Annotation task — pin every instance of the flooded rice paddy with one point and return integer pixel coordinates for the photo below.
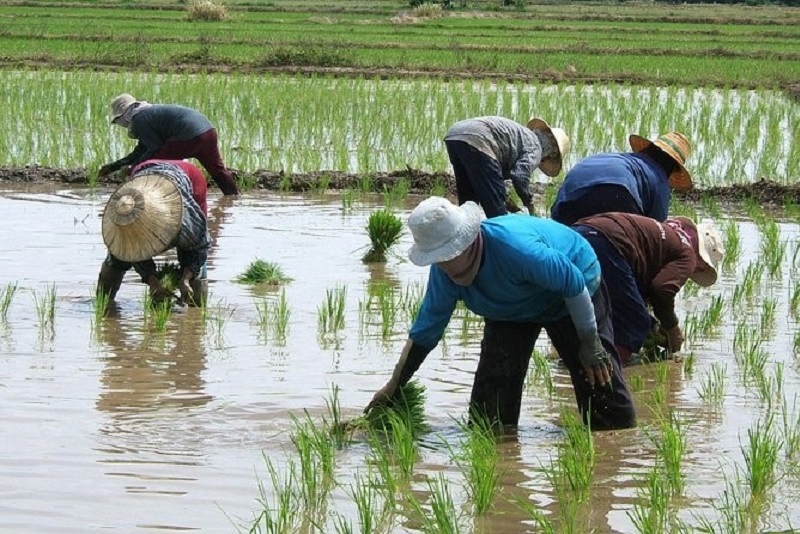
(110, 425)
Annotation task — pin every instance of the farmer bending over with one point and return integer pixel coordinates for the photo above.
(163, 206)
(522, 274)
(486, 151)
(646, 261)
(168, 131)
(633, 182)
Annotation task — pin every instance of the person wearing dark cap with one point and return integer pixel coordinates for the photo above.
(487, 151)
(171, 132)
(522, 275)
(645, 261)
(632, 182)
(163, 206)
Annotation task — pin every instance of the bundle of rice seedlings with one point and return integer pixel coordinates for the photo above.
(207, 10)
(169, 274)
(407, 407)
(384, 229)
(263, 272)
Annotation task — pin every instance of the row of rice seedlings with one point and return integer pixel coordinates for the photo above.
(772, 249)
(46, 306)
(330, 314)
(396, 194)
(749, 352)
(281, 509)
(218, 316)
(790, 436)
(101, 302)
(750, 283)
(760, 454)
(313, 111)
(384, 229)
(348, 198)
(273, 315)
(316, 457)
(443, 516)
(732, 240)
(365, 492)
(670, 443)
(6, 298)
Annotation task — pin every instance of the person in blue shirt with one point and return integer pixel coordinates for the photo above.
(637, 182)
(522, 275)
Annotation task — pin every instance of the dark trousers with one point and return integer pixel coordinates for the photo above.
(630, 316)
(205, 149)
(506, 351)
(479, 178)
(597, 199)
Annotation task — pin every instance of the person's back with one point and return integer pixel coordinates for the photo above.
(159, 123)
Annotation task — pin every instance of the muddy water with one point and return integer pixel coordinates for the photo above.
(113, 426)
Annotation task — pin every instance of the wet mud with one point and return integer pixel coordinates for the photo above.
(765, 191)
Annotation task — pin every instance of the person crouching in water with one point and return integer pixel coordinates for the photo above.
(161, 207)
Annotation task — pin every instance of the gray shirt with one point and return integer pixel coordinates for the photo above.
(517, 148)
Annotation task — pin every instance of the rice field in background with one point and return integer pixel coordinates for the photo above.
(304, 124)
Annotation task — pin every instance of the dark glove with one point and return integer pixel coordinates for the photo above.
(411, 358)
(595, 360)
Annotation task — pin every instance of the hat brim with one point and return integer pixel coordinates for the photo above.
(708, 276)
(460, 241)
(679, 180)
(551, 166)
(142, 218)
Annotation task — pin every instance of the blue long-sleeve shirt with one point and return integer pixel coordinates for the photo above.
(530, 265)
(646, 180)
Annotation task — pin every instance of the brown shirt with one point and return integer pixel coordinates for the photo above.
(659, 255)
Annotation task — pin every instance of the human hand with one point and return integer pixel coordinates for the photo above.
(596, 361)
(383, 396)
(160, 294)
(512, 207)
(675, 338)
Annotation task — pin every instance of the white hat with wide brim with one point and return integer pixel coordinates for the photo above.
(442, 230)
(142, 218)
(551, 164)
(709, 247)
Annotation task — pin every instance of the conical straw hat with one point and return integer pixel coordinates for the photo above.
(677, 147)
(142, 218)
(551, 165)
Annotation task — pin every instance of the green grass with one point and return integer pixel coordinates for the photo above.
(263, 272)
(384, 229)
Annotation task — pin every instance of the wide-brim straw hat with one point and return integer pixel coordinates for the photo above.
(551, 165)
(120, 105)
(709, 247)
(142, 218)
(677, 147)
(442, 230)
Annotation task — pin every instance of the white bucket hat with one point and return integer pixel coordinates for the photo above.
(142, 218)
(442, 230)
(709, 247)
(551, 165)
(120, 105)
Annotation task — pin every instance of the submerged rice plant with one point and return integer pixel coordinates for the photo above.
(761, 458)
(283, 512)
(330, 314)
(384, 229)
(478, 459)
(712, 388)
(6, 297)
(442, 517)
(46, 306)
(263, 272)
(649, 514)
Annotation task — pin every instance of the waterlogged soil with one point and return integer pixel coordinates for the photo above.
(420, 182)
(112, 424)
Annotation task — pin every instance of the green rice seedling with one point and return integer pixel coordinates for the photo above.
(772, 250)
(791, 429)
(688, 363)
(320, 187)
(219, 317)
(263, 272)
(761, 458)
(768, 315)
(336, 426)
(6, 297)
(342, 525)
(364, 492)
(797, 342)
(636, 382)
(670, 443)
(733, 245)
(100, 303)
(662, 373)
(330, 314)
(315, 451)
(281, 314)
(161, 312)
(711, 206)
(540, 373)
(438, 189)
(658, 399)
(690, 289)
(732, 510)
(443, 516)
(348, 199)
(408, 404)
(550, 192)
(544, 524)
(381, 459)
(263, 318)
(46, 306)
(403, 443)
(384, 229)
(365, 184)
(794, 299)
(282, 513)
(649, 514)
(285, 185)
(478, 459)
(388, 310)
(396, 194)
(712, 316)
(712, 388)
(576, 455)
